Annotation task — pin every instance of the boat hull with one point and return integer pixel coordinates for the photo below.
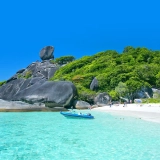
(76, 115)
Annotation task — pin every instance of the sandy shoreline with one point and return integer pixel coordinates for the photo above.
(148, 112)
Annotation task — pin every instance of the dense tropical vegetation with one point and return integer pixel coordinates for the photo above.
(63, 60)
(117, 74)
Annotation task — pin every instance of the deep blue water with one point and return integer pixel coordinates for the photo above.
(49, 135)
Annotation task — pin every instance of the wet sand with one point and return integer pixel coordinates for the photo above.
(148, 112)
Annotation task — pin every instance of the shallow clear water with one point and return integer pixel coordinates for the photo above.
(49, 135)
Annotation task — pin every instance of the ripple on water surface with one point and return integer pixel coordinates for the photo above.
(49, 135)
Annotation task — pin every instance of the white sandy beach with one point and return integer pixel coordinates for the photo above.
(149, 112)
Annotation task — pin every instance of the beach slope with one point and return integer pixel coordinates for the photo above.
(148, 112)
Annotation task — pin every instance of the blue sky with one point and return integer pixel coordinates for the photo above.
(73, 27)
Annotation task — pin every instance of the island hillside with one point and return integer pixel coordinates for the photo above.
(134, 73)
(91, 80)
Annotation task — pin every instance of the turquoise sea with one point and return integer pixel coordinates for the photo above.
(50, 136)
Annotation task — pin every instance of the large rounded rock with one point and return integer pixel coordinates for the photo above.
(33, 90)
(156, 93)
(47, 53)
(145, 92)
(82, 105)
(94, 84)
(102, 99)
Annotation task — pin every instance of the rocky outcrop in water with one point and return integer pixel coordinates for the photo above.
(37, 88)
(32, 86)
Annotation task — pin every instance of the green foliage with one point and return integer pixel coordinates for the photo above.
(129, 49)
(1, 83)
(28, 74)
(52, 61)
(133, 85)
(114, 95)
(151, 100)
(135, 68)
(20, 76)
(85, 94)
(64, 60)
(147, 72)
(121, 89)
(158, 79)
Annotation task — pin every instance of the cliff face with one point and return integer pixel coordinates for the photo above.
(31, 84)
(44, 69)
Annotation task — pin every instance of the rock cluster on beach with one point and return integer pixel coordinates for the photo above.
(31, 84)
(82, 105)
(102, 99)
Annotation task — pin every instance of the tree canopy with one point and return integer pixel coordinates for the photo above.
(134, 67)
(64, 60)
